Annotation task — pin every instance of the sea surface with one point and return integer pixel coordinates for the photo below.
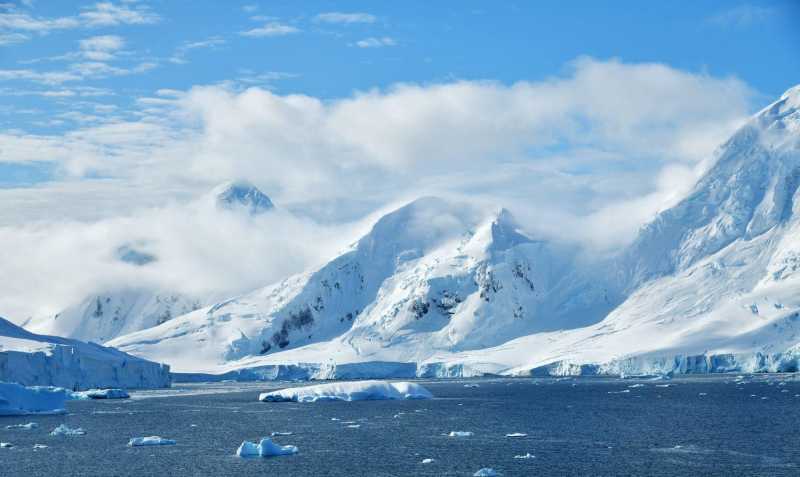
(720, 425)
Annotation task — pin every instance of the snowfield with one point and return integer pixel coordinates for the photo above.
(18, 400)
(348, 391)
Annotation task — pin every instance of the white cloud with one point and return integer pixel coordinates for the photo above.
(179, 57)
(586, 157)
(101, 48)
(271, 29)
(12, 38)
(340, 17)
(110, 14)
(16, 26)
(376, 42)
(28, 23)
(743, 15)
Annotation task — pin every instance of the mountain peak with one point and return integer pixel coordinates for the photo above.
(242, 194)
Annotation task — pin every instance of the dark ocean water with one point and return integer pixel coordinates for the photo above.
(699, 426)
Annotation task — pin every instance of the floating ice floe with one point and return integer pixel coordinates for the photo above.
(112, 393)
(459, 434)
(485, 472)
(24, 427)
(150, 441)
(517, 434)
(428, 461)
(64, 430)
(6, 445)
(354, 426)
(39, 446)
(349, 391)
(18, 400)
(526, 455)
(265, 448)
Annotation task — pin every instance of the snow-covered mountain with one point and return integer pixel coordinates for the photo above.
(32, 359)
(241, 195)
(709, 284)
(104, 316)
(429, 276)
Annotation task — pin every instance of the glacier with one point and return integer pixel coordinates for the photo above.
(32, 359)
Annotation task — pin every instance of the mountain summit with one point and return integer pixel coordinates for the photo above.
(242, 195)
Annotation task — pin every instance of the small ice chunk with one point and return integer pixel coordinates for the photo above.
(150, 441)
(39, 446)
(624, 391)
(273, 434)
(472, 385)
(348, 391)
(485, 472)
(634, 386)
(6, 445)
(526, 455)
(25, 427)
(428, 461)
(112, 393)
(64, 430)
(354, 426)
(265, 448)
(459, 434)
(517, 434)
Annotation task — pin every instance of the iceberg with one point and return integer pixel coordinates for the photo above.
(18, 400)
(64, 430)
(348, 391)
(485, 472)
(25, 427)
(265, 448)
(6, 445)
(112, 393)
(150, 441)
(428, 461)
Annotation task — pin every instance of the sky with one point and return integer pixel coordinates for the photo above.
(584, 119)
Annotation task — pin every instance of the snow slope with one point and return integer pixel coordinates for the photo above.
(32, 359)
(105, 316)
(429, 276)
(709, 285)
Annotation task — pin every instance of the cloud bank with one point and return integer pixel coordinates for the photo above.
(585, 157)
